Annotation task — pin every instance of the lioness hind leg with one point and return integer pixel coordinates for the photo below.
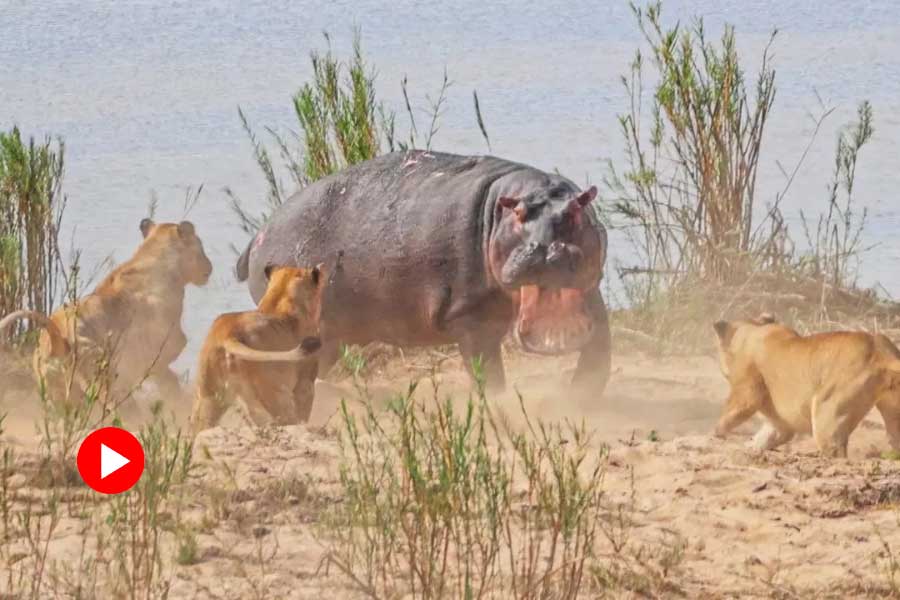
(745, 399)
(305, 389)
(269, 398)
(774, 432)
(890, 412)
(208, 409)
(836, 414)
(769, 437)
(213, 396)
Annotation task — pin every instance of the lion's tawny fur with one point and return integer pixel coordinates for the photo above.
(260, 356)
(823, 384)
(129, 327)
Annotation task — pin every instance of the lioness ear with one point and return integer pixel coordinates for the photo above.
(318, 274)
(587, 196)
(268, 271)
(186, 228)
(146, 226)
(765, 318)
(724, 330)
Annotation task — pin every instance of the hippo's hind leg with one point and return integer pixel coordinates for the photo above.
(592, 371)
(486, 350)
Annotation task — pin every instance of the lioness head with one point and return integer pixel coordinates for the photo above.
(296, 291)
(188, 249)
(733, 339)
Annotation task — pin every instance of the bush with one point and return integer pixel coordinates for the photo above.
(341, 123)
(687, 201)
(31, 207)
(687, 196)
(447, 503)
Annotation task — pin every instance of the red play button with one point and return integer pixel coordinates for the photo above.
(110, 460)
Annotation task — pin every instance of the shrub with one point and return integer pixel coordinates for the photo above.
(446, 502)
(31, 207)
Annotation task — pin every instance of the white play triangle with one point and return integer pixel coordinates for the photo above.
(110, 461)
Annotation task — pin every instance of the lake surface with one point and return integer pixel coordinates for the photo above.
(146, 95)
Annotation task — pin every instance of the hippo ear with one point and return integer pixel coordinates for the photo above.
(587, 196)
(146, 226)
(268, 271)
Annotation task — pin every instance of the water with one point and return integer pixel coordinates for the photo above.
(146, 94)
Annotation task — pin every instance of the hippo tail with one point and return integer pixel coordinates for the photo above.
(242, 269)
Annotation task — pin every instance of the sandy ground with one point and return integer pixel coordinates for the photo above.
(781, 524)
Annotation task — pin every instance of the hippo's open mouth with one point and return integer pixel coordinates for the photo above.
(552, 320)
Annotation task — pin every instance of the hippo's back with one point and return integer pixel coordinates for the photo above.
(409, 224)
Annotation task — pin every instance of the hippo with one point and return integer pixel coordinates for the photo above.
(439, 248)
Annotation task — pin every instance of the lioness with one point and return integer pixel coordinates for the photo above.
(258, 355)
(823, 384)
(129, 327)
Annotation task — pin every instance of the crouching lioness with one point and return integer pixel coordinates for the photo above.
(259, 355)
(129, 327)
(823, 384)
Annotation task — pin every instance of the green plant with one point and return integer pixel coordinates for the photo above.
(445, 502)
(687, 197)
(888, 561)
(837, 239)
(137, 519)
(31, 207)
(187, 547)
(341, 123)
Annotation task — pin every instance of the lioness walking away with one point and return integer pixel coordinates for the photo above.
(258, 355)
(823, 384)
(129, 327)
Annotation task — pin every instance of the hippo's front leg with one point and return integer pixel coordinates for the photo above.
(592, 372)
(477, 346)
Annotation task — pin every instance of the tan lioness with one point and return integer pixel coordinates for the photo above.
(823, 384)
(129, 327)
(258, 355)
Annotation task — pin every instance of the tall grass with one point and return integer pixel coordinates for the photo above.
(836, 240)
(687, 195)
(687, 201)
(340, 122)
(31, 207)
(125, 539)
(447, 502)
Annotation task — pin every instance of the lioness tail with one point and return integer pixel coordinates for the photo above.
(308, 347)
(36, 317)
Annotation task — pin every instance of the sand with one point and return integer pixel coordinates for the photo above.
(712, 518)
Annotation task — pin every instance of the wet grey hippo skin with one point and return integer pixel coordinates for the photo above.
(439, 248)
